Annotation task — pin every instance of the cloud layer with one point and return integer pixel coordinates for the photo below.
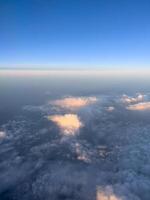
(107, 160)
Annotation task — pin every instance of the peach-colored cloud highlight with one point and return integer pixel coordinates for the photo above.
(74, 102)
(139, 106)
(68, 123)
(107, 194)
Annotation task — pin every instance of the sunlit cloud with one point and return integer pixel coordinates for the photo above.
(2, 134)
(74, 102)
(106, 194)
(127, 99)
(139, 106)
(68, 123)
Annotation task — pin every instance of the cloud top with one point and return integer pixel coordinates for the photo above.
(68, 123)
(74, 102)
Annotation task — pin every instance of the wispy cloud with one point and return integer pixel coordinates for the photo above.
(68, 123)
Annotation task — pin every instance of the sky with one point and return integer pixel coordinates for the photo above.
(74, 34)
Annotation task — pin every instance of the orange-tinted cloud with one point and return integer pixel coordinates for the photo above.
(139, 106)
(106, 194)
(68, 123)
(74, 102)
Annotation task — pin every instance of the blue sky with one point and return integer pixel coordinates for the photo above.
(75, 33)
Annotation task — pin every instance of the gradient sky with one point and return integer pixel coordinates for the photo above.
(75, 33)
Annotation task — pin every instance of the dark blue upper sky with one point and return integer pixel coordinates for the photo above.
(98, 33)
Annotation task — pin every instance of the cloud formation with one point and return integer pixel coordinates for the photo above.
(82, 153)
(139, 106)
(74, 102)
(106, 194)
(68, 123)
(110, 108)
(109, 160)
(2, 134)
(127, 99)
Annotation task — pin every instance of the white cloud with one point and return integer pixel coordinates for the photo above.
(2, 134)
(74, 102)
(68, 123)
(127, 99)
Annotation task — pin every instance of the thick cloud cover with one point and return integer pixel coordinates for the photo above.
(2, 134)
(107, 160)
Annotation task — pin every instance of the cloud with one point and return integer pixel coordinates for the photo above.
(2, 134)
(82, 153)
(127, 99)
(139, 106)
(109, 160)
(68, 123)
(110, 108)
(106, 194)
(74, 102)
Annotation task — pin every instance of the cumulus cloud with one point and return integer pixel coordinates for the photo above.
(127, 99)
(139, 106)
(68, 123)
(74, 102)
